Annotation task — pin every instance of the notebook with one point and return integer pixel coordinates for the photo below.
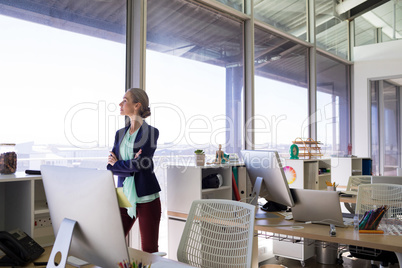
(316, 206)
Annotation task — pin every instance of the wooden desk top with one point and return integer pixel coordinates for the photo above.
(155, 260)
(320, 232)
(347, 199)
(346, 236)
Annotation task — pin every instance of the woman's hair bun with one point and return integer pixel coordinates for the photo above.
(146, 112)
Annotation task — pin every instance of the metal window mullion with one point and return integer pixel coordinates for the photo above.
(312, 70)
(351, 39)
(350, 79)
(135, 68)
(394, 24)
(128, 42)
(378, 35)
(136, 43)
(398, 90)
(381, 123)
(249, 97)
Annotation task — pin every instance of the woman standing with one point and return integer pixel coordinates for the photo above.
(131, 160)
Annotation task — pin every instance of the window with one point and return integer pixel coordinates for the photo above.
(236, 4)
(331, 29)
(375, 127)
(194, 77)
(333, 106)
(63, 74)
(290, 16)
(385, 127)
(365, 32)
(281, 91)
(380, 24)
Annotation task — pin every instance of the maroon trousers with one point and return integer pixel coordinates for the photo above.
(149, 216)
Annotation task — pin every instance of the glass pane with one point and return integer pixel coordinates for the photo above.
(375, 128)
(386, 18)
(391, 129)
(331, 30)
(194, 77)
(365, 32)
(333, 116)
(63, 74)
(236, 4)
(281, 91)
(286, 15)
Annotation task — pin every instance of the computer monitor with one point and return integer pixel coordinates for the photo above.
(87, 197)
(386, 179)
(267, 164)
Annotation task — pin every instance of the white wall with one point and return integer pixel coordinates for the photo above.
(377, 61)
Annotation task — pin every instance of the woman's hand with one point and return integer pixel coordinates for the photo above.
(138, 154)
(112, 159)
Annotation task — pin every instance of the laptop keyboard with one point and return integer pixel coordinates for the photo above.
(348, 215)
(348, 219)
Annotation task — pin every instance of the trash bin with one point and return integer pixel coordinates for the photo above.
(326, 253)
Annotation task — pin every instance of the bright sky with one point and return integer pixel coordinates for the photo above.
(61, 87)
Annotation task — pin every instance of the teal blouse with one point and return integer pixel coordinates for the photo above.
(127, 152)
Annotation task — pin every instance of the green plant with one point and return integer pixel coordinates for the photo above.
(199, 151)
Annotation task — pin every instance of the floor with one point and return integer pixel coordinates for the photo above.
(348, 262)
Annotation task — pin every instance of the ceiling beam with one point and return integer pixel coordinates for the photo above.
(355, 8)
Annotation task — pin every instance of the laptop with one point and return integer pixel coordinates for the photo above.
(317, 206)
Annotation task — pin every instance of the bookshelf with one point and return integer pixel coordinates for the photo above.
(184, 185)
(25, 207)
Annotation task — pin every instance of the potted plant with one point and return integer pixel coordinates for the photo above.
(199, 157)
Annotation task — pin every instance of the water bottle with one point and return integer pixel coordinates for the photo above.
(356, 223)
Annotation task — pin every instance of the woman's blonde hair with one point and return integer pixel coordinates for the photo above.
(139, 95)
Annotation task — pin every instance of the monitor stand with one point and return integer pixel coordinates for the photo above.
(271, 206)
(62, 246)
(62, 243)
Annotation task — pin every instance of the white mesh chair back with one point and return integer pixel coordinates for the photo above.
(353, 184)
(373, 196)
(218, 233)
(355, 181)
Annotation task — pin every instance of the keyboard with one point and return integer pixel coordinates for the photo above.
(348, 219)
(348, 215)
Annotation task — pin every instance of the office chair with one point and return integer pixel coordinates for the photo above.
(372, 196)
(218, 233)
(353, 184)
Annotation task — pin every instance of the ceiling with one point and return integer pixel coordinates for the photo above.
(103, 19)
(180, 28)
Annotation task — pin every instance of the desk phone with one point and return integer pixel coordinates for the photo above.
(20, 248)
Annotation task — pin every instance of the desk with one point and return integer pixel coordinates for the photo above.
(346, 236)
(319, 232)
(145, 257)
(351, 200)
